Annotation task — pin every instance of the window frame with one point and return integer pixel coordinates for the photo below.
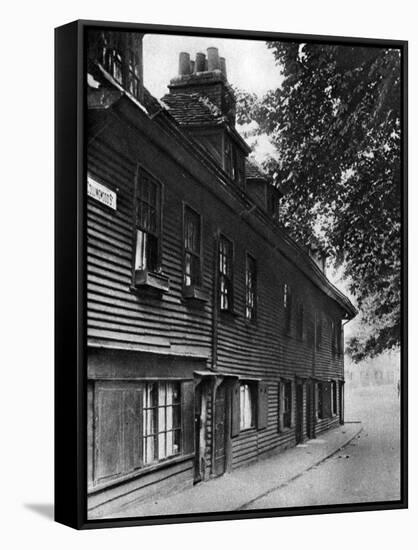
(99, 482)
(118, 58)
(249, 258)
(147, 277)
(188, 209)
(318, 331)
(253, 392)
(157, 431)
(283, 399)
(300, 320)
(287, 300)
(334, 398)
(230, 278)
(319, 401)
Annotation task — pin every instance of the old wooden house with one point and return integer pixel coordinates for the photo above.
(213, 338)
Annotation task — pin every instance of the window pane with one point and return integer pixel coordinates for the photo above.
(176, 442)
(176, 416)
(161, 421)
(187, 269)
(149, 450)
(161, 446)
(140, 253)
(246, 407)
(161, 394)
(250, 278)
(169, 418)
(170, 392)
(242, 407)
(169, 443)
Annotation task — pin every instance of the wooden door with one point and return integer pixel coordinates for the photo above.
(299, 413)
(197, 427)
(219, 435)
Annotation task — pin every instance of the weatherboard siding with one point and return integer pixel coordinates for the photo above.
(120, 318)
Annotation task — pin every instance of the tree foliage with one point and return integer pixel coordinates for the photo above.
(336, 124)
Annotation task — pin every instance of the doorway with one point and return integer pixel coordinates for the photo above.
(198, 474)
(220, 432)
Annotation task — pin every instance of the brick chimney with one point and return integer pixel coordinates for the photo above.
(206, 76)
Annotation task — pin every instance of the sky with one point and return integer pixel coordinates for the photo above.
(249, 64)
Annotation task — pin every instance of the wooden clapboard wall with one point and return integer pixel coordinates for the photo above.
(120, 318)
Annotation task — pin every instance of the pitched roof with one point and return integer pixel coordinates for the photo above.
(254, 171)
(192, 109)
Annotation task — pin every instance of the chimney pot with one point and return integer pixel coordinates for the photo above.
(200, 62)
(184, 63)
(213, 59)
(223, 67)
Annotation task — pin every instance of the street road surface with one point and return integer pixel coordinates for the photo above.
(367, 470)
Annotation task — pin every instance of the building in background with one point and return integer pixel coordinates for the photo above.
(213, 338)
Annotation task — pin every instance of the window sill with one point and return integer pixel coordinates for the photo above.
(228, 313)
(150, 279)
(195, 294)
(138, 472)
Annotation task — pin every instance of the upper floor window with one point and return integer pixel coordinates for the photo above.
(133, 78)
(339, 336)
(299, 320)
(120, 54)
(148, 224)
(225, 273)
(287, 305)
(250, 288)
(274, 203)
(112, 62)
(333, 337)
(318, 331)
(192, 248)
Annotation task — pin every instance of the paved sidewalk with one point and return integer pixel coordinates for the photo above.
(238, 489)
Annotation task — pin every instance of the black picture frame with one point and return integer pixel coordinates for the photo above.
(70, 278)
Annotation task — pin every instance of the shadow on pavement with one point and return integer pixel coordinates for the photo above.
(45, 510)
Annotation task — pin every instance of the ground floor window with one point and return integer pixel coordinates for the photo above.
(333, 397)
(137, 423)
(326, 399)
(161, 421)
(247, 402)
(287, 405)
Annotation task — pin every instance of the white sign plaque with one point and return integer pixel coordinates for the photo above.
(101, 193)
